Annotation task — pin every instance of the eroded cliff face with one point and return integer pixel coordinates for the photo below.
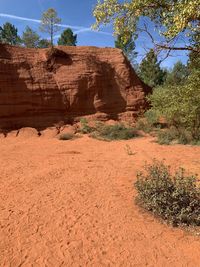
(41, 87)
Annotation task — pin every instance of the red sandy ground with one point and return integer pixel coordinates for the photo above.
(71, 203)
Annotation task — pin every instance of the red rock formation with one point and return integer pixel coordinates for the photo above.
(40, 87)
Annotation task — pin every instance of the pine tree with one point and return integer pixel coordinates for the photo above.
(68, 38)
(49, 23)
(177, 75)
(44, 43)
(30, 38)
(150, 71)
(9, 34)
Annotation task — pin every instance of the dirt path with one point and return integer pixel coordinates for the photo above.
(71, 203)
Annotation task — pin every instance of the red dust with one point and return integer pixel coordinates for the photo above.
(71, 203)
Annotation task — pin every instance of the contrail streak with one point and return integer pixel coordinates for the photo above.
(78, 29)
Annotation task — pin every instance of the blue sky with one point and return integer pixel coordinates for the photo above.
(78, 15)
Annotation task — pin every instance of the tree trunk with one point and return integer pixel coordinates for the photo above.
(52, 34)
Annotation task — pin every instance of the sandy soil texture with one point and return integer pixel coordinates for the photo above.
(71, 203)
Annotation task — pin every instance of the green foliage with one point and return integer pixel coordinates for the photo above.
(66, 136)
(194, 57)
(127, 47)
(85, 128)
(9, 34)
(30, 38)
(152, 117)
(143, 125)
(114, 132)
(43, 43)
(166, 137)
(176, 135)
(180, 105)
(68, 38)
(175, 198)
(107, 132)
(150, 71)
(49, 23)
(177, 75)
(194, 61)
(171, 18)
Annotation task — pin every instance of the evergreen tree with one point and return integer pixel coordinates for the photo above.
(8, 34)
(67, 38)
(150, 71)
(178, 75)
(30, 38)
(49, 23)
(127, 46)
(44, 43)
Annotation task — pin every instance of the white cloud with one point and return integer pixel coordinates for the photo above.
(90, 30)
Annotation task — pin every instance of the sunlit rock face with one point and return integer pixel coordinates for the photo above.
(41, 87)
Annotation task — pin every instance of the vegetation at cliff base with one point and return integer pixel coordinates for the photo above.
(114, 132)
(101, 131)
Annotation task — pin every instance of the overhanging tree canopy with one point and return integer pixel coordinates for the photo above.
(171, 17)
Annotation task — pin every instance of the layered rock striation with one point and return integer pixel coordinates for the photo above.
(41, 87)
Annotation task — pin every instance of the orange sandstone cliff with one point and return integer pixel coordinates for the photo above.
(41, 87)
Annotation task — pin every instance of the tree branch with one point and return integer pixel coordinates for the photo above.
(189, 48)
(167, 46)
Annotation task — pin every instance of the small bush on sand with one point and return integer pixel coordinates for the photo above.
(149, 123)
(175, 198)
(181, 136)
(114, 132)
(85, 128)
(143, 125)
(66, 136)
(165, 137)
(184, 137)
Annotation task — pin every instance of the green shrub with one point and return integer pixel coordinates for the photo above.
(175, 198)
(152, 117)
(195, 143)
(165, 137)
(66, 136)
(180, 105)
(143, 125)
(85, 128)
(182, 136)
(114, 132)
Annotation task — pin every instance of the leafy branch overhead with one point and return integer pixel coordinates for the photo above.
(170, 17)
